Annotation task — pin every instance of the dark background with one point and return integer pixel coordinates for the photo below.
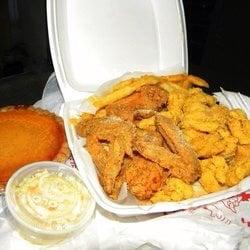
(218, 42)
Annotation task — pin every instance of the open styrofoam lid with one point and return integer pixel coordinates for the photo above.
(94, 41)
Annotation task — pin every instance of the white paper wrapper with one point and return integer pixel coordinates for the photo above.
(127, 205)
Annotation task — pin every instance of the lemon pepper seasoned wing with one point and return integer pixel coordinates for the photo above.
(179, 157)
(108, 139)
(148, 98)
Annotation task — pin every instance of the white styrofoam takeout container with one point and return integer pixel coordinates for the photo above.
(93, 42)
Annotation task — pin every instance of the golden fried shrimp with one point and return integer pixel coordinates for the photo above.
(143, 177)
(243, 151)
(147, 124)
(239, 126)
(196, 95)
(149, 97)
(174, 190)
(209, 182)
(220, 113)
(176, 100)
(205, 145)
(238, 171)
(218, 166)
(229, 141)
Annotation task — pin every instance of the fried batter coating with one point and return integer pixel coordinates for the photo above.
(148, 136)
(200, 112)
(181, 160)
(147, 124)
(209, 182)
(200, 120)
(196, 95)
(204, 126)
(230, 143)
(174, 190)
(108, 139)
(143, 177)
(243, 151)
(176, 100)
(149, 97)
(239, 126)
(239, 171)
(206, 145)
(218, 166)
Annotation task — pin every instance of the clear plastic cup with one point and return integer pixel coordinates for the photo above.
(27, 217)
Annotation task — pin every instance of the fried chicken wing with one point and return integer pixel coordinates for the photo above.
(179, 158)
(108, 139)
(178, 145)
(143, 177)
(148, 136)
(149, 97)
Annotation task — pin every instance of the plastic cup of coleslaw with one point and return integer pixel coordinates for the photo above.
(48, 202)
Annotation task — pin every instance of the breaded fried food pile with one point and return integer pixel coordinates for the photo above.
(166, 139)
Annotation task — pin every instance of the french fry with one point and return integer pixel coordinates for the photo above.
(137, 82)
(197, 81)
(169, 86)
(186, 84)
(102, 101)
(175, 78)
(122, 90)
